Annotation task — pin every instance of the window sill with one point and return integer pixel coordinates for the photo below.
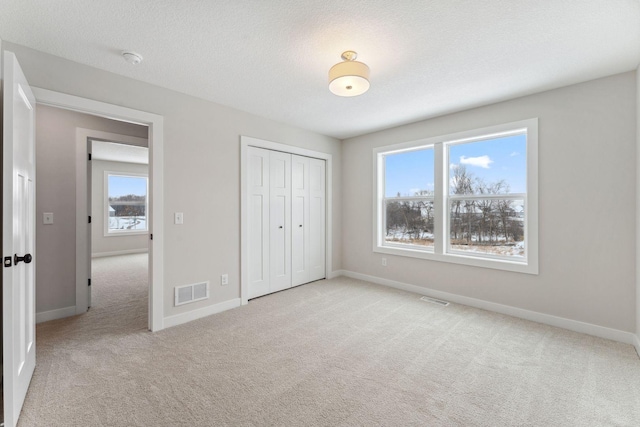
(125, 233)
(457, 258)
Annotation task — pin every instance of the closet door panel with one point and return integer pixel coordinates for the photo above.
(300, 220)
(317, 219)
(280, 220)
(258, 206)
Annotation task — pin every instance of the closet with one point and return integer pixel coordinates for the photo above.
(286, 215)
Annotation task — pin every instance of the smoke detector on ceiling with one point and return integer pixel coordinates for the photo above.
(132, 57)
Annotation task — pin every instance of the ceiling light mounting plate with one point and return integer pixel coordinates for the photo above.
(132, 57)
(349, 55)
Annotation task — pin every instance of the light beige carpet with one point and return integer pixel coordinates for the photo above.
(340, 352)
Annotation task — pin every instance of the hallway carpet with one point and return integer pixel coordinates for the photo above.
(339, 352)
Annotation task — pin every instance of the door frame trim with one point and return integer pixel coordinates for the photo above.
(155, 123)
(245, 143)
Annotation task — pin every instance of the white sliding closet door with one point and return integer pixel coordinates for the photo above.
(258, 212)
(317, 220)
(280, 220)
(300, 220)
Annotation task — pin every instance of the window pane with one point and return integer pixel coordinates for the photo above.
(409, 222)
(494, 166)
(409, 174)
(127, 203)
(494, 227)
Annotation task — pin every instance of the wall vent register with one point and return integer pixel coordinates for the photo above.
(191, 293)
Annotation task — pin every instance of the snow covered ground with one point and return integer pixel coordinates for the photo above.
(128, 223)
(502, 248)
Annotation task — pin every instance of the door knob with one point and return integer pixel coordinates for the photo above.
(280, 227)
(300, 225)
(27, 259)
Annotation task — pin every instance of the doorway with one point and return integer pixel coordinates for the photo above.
(118, 199)
(156, 138)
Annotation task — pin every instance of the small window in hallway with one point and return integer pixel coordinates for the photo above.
(126, 203)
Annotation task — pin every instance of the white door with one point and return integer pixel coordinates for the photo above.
(18, 242)
(317, 221)
(258, 211)
(280, 220)
(299, 220)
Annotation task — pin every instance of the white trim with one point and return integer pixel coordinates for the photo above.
(189, 316)
(245, 142)
(534, 316)
(636, 343)
(116, 253)
(440, 250)
(156, 173)
(45, 316)
(335, 274)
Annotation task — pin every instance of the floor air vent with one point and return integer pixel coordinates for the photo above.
(191, 293)
(435, 301)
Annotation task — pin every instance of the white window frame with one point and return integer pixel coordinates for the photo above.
(112, 233)
(441, 250)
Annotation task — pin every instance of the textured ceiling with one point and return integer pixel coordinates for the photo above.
(271, 57)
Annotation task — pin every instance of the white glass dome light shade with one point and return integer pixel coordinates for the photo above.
(349, 78)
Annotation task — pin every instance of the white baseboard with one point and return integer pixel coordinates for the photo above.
(636, 343)
(548, 319)
(179, 319)
(59, 313)
(124, 252)
(336, 273)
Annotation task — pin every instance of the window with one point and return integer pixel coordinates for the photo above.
(126, 203)
(468, 198)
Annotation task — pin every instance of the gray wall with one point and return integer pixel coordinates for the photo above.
(201, 170)
(587, 150)
(101, 244)
(56, 192)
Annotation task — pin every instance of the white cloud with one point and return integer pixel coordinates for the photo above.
(481, 161)
(453, 166)
(515, 153)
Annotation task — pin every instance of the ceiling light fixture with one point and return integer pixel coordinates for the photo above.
(132, 57)
(349, 78)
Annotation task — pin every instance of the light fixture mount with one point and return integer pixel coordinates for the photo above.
(349, 55)
(132, 57)
(350, 77)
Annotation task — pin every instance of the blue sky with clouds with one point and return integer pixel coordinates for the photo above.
(491, 160)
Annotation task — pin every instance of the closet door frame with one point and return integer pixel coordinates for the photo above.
(245, 143)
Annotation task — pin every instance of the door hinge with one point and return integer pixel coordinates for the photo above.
(89, 282)
(89, 156)
(151, 236)
(89, 219)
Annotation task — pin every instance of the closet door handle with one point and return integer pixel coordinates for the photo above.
(280, 227)
(300, 225)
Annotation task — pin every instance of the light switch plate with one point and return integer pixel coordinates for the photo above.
(178, 218)
(47, 218)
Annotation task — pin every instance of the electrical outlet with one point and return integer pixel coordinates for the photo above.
(384, 262)
(178, 218)
(47, 218)
(224, 279)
